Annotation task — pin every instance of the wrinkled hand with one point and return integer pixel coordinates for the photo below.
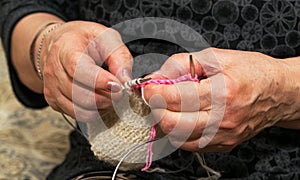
(72, 56)
(242, 94)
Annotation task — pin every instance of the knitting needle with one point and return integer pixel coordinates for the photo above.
(192, 66)
(134, 82)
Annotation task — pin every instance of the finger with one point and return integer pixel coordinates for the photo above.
(215, 148)
(119, 60)
(194, 146)
(75, 111)
(185, 96)
(115, 53)
(223, 141)
(183, 126)
(177, 65)
(91, 100)
(84, 70)
(209, 62)
(92, 50)
(206, 63)
(84, 96)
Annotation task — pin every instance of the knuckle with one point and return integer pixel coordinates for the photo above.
(229, 125)
(47, 72)
(166, 126)
(113, 32)
(205, 51)
(231, 92)
(174, 99)
(212, 50)
(55, 47)
(60, 102)
(174, 56)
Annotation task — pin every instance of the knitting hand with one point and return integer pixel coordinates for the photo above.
(242, 94)
(72, 56)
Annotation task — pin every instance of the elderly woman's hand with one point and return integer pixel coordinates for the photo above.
(241, 94)
(71, 60)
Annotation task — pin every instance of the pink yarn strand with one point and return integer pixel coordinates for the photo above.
(149, 150)
(187, 77)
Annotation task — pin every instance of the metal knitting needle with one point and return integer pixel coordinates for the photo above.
(134, 82)
(192, 66)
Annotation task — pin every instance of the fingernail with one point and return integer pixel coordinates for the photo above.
(126, 75)
(114, 87)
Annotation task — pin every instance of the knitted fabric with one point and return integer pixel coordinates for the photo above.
(127, 126)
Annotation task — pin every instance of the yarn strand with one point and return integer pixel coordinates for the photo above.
(186, 77)
(149, 150)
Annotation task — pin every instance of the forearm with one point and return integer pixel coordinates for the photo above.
(290, 116)
(22, 38)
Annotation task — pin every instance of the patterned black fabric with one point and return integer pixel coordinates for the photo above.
(271, 27)
(268, 26)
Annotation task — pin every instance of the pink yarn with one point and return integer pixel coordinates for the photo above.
(187, 77)
(149, 150)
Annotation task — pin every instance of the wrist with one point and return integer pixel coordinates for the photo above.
(21, 40)
(38, 44)
(288, 92)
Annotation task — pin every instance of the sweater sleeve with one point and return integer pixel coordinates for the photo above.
(11, 11)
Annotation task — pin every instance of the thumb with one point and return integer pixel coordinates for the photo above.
(206, 62)
(177, 65)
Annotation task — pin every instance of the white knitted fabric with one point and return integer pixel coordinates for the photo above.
(128, 125)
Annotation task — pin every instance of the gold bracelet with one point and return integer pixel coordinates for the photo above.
(39, 50)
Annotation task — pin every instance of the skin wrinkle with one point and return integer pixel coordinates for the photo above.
(253, 72)
(256, 100)
(93, 52)
(251, 107)
(276, 101)
(73, 67)
(246, 73)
